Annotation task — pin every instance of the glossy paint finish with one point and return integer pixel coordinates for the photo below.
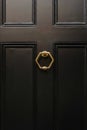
(32, 99)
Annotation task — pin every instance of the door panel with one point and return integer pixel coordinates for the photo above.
(19, 12)
(69, 87)
(70, 12)
(18, 89)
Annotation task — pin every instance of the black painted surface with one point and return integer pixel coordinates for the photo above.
(43, 100)
(69, 89)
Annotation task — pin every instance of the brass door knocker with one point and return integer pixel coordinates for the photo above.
(44, 54)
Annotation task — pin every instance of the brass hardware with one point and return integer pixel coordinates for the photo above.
(44, 54)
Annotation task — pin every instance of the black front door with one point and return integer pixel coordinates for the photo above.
(43, 90)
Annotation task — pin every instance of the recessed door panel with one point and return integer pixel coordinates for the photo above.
(19, 11)
(18, 89)
(69, 89)
(70, 11)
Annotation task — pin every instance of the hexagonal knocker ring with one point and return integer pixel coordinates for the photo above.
(44, 54)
